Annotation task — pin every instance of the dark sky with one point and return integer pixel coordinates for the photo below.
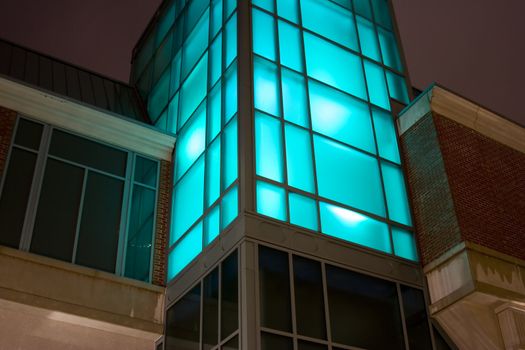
(474, 47)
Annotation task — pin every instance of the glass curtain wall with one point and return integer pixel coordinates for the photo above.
(326, 149)
(186, 70)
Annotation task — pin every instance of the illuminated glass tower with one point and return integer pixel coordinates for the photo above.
(290, 222)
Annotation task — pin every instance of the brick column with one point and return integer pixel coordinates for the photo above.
(7, 126)
(162, 224)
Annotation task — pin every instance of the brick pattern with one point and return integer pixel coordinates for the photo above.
(437, 229)
(487, 181)
(162, 224)
(7, 126)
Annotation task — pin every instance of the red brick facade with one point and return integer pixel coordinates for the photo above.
(464, 187)
(162, 224)
(7, 126)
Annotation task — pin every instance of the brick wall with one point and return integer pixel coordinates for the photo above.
(434, 216)
(162, 224)
(487, 181)
(7, 126)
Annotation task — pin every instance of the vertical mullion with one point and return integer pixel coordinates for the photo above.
(326, 304)
(201, 314)
(79, 215)
(292, 299)
(248, 290)
(257, 300)
(402, 312)
(125, 214)
(219, 306)
(8, 158)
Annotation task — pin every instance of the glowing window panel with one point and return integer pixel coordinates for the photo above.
(191, 142)
(212, 225)
(354, 227)
(295, 104)
(230, 34)
(215, 60)
(389, 49)
(213, 172)
(214, 112)
(386, 135)
(271, 200)
(195, 44)
(266, 87)
(382, 13)
(230, 93)
(268, 147)
(263, 34)
(397, 87)
(185, 251)
(375, 79)
(341, 117)
(268, 5)
(230, 159)
(362, 7)
(188, 200)
(299, 162)
(216, 17)
(396, 196)
(334, 66)
(159, 96)
(175, 73)
(290, 46)
(348, 176)
(329, 20)
(288, 9)
(165, 22)
(193, 90)
(229, 7)
(229, 207)
(368, 39)
(404, 244)
(303, 211)
(173, 114)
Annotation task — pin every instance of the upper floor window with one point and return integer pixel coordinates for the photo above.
(77, 200)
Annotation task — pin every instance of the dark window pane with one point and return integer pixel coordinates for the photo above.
(232, 344)
(359, 306)
(57, 215)
(99, 227)
(309, 302)
(140, 233)
(210, 312)
(274, 284)
(275, 342)
(28, 134)
(416, 318)
(304, 345)
(87, 152)
(229, 295)
(146, 171)
(182, 322)
(15, 194)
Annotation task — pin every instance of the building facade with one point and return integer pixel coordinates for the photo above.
(266, 181)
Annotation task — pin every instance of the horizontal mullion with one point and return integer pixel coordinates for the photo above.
(86, 167)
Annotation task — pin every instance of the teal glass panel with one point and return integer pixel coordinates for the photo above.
(162, 122)
(162, 57)
(299, 162)
(386, 135)
(215, 60)
(193, 90)
(368, 39)
(214, 112)
(396, 195)
(191, 142)
(295, 104)
(288, 9)
(341, 117)
(345, 3)
(397, 87)
(375, 79)
(271, 200)
(216, 17)
(303, 211)
(185, 251)
(195, 44)
(389, 49)
(230, 98)
(362, 7)
(263, 29)
(268, 147)
(158, 98)
(195, 10)
(329, 20)
(354, 227)
(229, 7)
(266, 87)
(382, 13)
(334, 66)
(165, 22)
(290, 46)
(175, 73)
(188, 200)
(265, 4)
(212, 225)
(230, 160)
(213, 172)
(230, 34)
(229, 207)
(173, 114)
(348, 176)
(404, 244)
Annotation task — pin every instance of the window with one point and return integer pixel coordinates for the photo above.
(80, 201)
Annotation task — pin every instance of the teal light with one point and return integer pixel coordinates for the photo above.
(173, 114)
(266, 88)
(271, 200)
(288, 9)
(159, 96)
(354, 227)
(299, 162)
(389, 49)
(191, 142)
(185, 251)
(386, 135)
(230, 97)
(290, 46)
(214, 112)
(229, 207)
(216, 17)
(375, 78)
(230, 34)
(295, 103)
(263, 34)
(212, 225)
(193, 90)
(396, 196)
(368, 39)
(397, 87)
(213, 172)
(215, 59)
(265, 4)
(175, 73)
(303, 211)
(230, 154)
(268, 147)
(404, 244)
(196, 44)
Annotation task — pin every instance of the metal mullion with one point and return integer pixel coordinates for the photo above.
(79, 216)
(201, 312)
(312, 340)
(345, 347)
(291, 280)
(326, 303)
(23, 148)
(222, 80)
(277, 332)
(402, 313)
(8, 158)
(125, 215)
(122, 178)
(148, 187)
(258, 328)
(228, 338)
(219, 306)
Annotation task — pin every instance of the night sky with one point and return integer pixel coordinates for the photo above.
(474, 47)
